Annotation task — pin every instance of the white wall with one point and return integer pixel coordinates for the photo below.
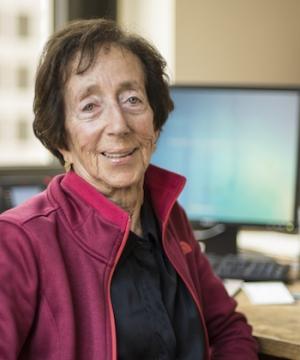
(238, 41)
(153, 19)
(222, 41)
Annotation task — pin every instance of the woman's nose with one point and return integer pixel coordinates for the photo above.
(117, 123)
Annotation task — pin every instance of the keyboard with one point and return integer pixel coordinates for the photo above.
(238, 266)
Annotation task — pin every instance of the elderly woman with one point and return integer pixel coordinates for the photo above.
(103, 264)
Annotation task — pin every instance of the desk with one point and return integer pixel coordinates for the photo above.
(276, 327)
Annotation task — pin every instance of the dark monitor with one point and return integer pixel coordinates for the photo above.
(238, 148)
(18, 184)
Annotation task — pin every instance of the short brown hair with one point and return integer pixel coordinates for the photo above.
(84, 37)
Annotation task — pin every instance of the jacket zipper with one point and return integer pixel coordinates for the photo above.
(111, 312)
(188, 287)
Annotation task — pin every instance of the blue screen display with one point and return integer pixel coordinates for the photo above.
(238, 149)
(21, 193)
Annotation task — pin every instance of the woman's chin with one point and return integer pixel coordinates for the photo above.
(121, 182)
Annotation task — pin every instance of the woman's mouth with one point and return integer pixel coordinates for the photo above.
(118, 154)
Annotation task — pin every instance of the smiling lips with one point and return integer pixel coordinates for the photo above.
(118, 155)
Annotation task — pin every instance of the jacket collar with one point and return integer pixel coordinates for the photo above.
(164, 188)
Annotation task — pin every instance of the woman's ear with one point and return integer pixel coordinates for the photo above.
(68, 160)
(156, 136)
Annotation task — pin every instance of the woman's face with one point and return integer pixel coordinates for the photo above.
(109, 121)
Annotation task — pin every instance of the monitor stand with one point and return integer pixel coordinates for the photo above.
(222, 243)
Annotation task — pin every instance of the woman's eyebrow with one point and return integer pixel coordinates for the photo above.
(130, 85)
(90, 89)
(93, 88)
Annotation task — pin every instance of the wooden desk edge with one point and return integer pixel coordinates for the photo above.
(277, 347)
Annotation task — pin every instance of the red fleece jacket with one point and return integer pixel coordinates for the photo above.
(58, 252)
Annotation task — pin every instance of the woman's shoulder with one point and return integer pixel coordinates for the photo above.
(27, 227)
(40, 205)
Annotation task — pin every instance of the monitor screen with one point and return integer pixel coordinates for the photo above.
(21, 193)
(238, 149)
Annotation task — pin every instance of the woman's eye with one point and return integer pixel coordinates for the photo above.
(134, 100)
(89, 107)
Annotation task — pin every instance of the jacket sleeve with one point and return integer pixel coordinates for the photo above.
(230, 336)
(18, 289)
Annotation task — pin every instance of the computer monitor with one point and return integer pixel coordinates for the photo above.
(18, 184)
(238, 148)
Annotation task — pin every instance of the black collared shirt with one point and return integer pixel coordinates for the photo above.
(156, 318)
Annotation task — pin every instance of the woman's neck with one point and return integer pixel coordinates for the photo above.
(130, 200)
